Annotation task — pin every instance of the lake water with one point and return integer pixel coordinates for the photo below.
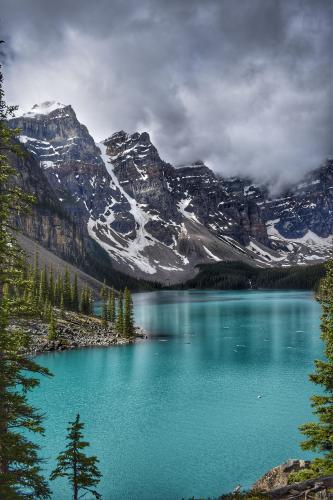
(179, 415)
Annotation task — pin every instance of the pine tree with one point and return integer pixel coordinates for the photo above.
(46, 311)
(84, 303)
(105, 314)
(75, 294)
(320, 434)
(67, 290)
(36, 274)
(81, 470)
(20, 471)
(52, 327)
(103, 291)
(62, 307)
(90, 302)
(43, 286)
(112, 306)
(83, 300)
(30, 299)
(58, 291)
(51, 287)
(120, 315)
(128, 315)
(103, 295)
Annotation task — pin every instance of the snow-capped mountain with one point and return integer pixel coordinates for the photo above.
(157, 221)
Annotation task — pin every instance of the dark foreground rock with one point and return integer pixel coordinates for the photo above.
(274, 484)
(74, 330)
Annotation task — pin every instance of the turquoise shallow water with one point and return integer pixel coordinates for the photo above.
(179, 415)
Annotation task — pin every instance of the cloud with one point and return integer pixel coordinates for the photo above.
(244, 86)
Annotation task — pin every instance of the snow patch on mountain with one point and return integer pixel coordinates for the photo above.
(211, 255)
(133, 250)
(310, 247)
(182, 205)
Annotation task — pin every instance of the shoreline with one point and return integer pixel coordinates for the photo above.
(74, 331)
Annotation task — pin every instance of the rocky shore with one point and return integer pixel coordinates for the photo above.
(73, 331)
(279, 476)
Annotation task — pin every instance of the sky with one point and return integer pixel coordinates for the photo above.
(244, 85)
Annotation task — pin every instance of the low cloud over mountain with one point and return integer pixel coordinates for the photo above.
(243, 86)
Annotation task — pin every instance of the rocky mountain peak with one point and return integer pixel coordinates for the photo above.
(155, 219)
(130, 146)
(53, 134)
(47, 107)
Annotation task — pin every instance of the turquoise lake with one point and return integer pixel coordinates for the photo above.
(179, 415)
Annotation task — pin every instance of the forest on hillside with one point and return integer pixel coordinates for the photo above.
(240, 276)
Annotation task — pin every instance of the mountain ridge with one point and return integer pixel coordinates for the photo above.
(158, 222)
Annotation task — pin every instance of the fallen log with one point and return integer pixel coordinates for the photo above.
(302, 489)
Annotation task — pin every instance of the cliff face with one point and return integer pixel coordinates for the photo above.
(154, 220)
(50, 225)
(47, 222)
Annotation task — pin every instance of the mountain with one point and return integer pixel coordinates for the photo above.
(152, 220)
(57, 220)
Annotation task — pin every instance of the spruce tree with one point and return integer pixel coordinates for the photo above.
(90, 302)
(36, 274)
(46, 311)
(75, 294)
(43, 286)
(128, 314)
(20, 471)
(112, 306)
(62, 307)
(51, 287)
(103, 295)
(52, 327)
(81, 470)
(320, 433)
(105, 314)
(58, 290)
(83, 301)
(20, 466)
(120, 315)
(67, 290)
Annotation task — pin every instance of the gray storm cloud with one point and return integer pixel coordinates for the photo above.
(246, 86)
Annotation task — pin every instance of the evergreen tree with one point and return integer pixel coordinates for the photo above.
(112, 307)
(103, 295)
(52, 328)
(75, 294)
(103, 291)
(120, 315)
(105, 314)
(90, 302)
(84, 300)
(20, 471)
(43, 286)
(128, 314)
(46, 311)
(67, 290)
(81, 470)
(36, 274)
(31, 298)
(58, 291)
(62, 307)
(51, 287)
(320, 433)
